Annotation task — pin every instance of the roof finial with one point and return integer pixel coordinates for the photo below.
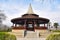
(30, 11)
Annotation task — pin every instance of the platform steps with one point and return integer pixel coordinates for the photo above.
(17, 34)
(31, 34)
(45, 34)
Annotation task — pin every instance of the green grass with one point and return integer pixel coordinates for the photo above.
(55, 30)
(7, 36)
(53, 37)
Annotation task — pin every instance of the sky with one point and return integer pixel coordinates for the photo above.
(49, 9)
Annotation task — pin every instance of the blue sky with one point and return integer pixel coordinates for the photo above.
(44, 8)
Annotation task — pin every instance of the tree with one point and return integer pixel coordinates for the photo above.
(56, 25)
(2, 16)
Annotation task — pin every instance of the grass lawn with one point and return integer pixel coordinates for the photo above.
(7, 36)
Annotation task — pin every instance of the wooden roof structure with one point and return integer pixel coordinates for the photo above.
(30, 16)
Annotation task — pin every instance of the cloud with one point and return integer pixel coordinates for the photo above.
(13, 14)
(12, 11)
(37, 0)
(51, 15)
(48, 9)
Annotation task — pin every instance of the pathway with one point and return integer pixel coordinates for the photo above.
(18, 38)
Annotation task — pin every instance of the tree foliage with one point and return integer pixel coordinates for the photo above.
(2, 16)
(56, 25)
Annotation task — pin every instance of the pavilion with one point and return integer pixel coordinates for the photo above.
(29, 21)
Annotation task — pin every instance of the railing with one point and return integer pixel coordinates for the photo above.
(22, 27)
(40, 27)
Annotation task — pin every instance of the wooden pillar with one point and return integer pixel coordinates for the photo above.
(13, 25)
(25, 24)
(34, 25)
(44, 25)
(39, 25)
(47, 25)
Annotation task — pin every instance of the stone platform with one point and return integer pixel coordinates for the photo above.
(18, 33)
(37, 35)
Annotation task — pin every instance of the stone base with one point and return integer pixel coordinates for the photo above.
(36, 34)
(42, 33)
(18, 33)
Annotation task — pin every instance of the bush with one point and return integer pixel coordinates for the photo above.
(6, 30)
(55, 30)
(6, 36)
(53, 37)
(9, 30)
